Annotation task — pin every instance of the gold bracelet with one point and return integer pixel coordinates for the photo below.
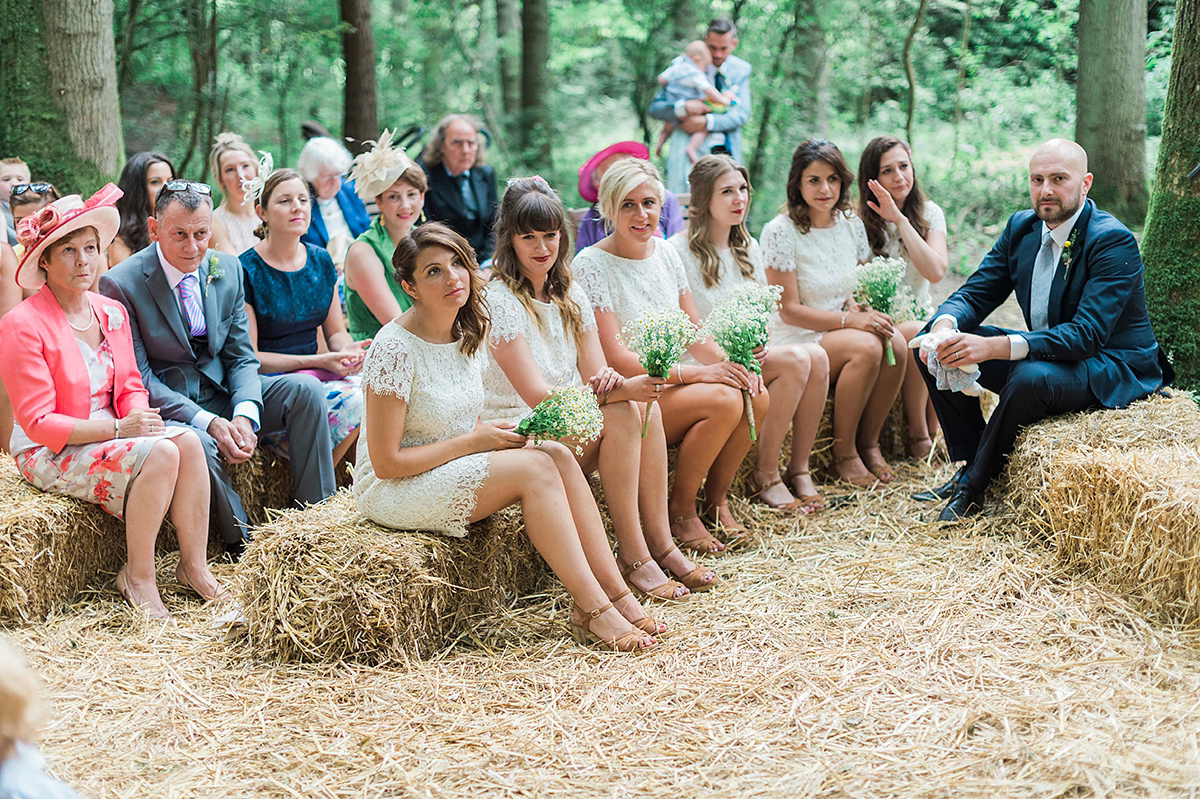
(844, 315)
(682, 382)
(116, 428)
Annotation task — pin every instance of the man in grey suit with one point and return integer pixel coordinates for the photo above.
(728, 72)
(187, 315)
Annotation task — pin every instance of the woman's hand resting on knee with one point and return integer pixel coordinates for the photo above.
(491, 436)
(729, 373)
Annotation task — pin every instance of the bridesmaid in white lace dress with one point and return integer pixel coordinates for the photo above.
(902, 223)
(430, 464)
(719, 254)
(629, 271)
(811, 250)
(541, 336)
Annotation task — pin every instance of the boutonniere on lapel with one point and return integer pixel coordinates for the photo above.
(1069, 251)
(114, 317)
(215, 272)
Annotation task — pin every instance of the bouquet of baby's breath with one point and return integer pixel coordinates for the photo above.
(880, 285)
(568, 412)
(659, 338)
(741, 323)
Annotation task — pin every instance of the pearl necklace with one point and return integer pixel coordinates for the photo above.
(88, 326)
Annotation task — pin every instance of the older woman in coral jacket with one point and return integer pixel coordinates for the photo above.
(84, 427)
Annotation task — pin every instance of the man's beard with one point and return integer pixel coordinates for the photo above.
(1066, 211)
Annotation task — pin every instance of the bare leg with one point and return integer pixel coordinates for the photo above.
(532, 476)
(786, 371)
(854, 359)
(805, 422)
(695, 142)
(916, 400)
(618, 456)
(724, 469)
(189, 513)
(701, 417)
(146, 504)
(345, 447)
(883, 397)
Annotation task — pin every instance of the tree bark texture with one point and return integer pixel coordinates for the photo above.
(508, 30)
(1171, 246)
(1110, 103)
(201, 16)
(81, 61)
(359, 114)
(535, 52)
(908, 69)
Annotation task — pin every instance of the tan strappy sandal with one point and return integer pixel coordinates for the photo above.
(647, 624)
(626, 642)
(666, 592)
(734, 537)
(701, 544)
(694, 580)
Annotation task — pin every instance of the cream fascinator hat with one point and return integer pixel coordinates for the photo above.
(378, 168)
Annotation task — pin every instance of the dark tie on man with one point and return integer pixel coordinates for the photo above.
(1039, 285)
(468, 194)
(719, 84)
(193, 311)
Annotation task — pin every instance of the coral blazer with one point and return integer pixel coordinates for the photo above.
(44, 371)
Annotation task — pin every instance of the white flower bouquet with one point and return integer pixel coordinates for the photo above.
(741, 323)
(568, 412)
(880, 285)
(659, 338)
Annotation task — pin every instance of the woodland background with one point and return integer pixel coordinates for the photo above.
(973, 84)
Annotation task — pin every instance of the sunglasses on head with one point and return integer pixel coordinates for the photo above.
(186, 185)
(37, 188)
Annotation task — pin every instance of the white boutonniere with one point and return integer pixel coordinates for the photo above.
(114, 316)
(1068, 251)
(215, 272)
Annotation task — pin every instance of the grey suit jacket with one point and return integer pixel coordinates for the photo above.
(180, 381)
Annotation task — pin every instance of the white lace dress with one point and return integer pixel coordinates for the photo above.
(895, 249)
(444, 392)
(729, 274)
(626, 287)
(823, 260)
(553, 348)
(240, 229)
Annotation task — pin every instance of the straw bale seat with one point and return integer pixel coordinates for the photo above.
(1116, 494)
(325, 584)
(53, 547)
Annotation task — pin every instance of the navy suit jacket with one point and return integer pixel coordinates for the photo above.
(352, 208)
(1097, 312)
(444, 203)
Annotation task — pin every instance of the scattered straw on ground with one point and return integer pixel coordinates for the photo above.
(865, 653)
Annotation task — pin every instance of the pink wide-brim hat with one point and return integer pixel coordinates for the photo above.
(61, 218)
(588, 189)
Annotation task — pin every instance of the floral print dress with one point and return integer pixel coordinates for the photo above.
(100, 472)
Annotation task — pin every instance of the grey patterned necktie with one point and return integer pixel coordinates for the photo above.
(1039, 289)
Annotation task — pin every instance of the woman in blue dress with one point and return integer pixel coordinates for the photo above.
(293, 309)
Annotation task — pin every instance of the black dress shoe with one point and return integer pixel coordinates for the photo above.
(965, 502)
(235, 549)
(944, 490)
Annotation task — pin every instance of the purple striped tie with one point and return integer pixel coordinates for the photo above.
(189, 293)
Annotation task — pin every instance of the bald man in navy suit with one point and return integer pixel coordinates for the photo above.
(1077, 275)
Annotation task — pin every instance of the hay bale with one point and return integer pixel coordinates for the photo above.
(53, 547)
(1131, 521)
(326, 584)
(1167, 419)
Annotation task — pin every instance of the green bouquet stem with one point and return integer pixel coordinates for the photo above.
(646, 418)
(891, 354)
(749, 413)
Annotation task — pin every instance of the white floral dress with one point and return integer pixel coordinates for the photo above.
(100, 472)
(554, 349)
(627, 287)
(444, 391)
(823, 260)
(894, 248)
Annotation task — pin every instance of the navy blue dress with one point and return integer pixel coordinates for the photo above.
(290, 306)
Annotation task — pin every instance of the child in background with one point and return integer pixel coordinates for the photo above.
(22, 767)
(12, 172)
(687, 80)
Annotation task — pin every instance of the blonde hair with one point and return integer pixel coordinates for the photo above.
(623, 177)
(227, 143)
(697, 48)
(20, 711)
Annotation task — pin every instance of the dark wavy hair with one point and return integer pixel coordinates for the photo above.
(810, 151)
(134, 205)
(703, 178)
(529, 205)
(473, 319)
(914, 203)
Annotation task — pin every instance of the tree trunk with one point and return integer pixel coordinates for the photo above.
(360, 122)
(683, 21)
(1110, 103)
(908, 69)
(508, 29)
(964, 48)
(811, 73)
(1171, 247)
(58, 90)
(535, 51)
(201, 16)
